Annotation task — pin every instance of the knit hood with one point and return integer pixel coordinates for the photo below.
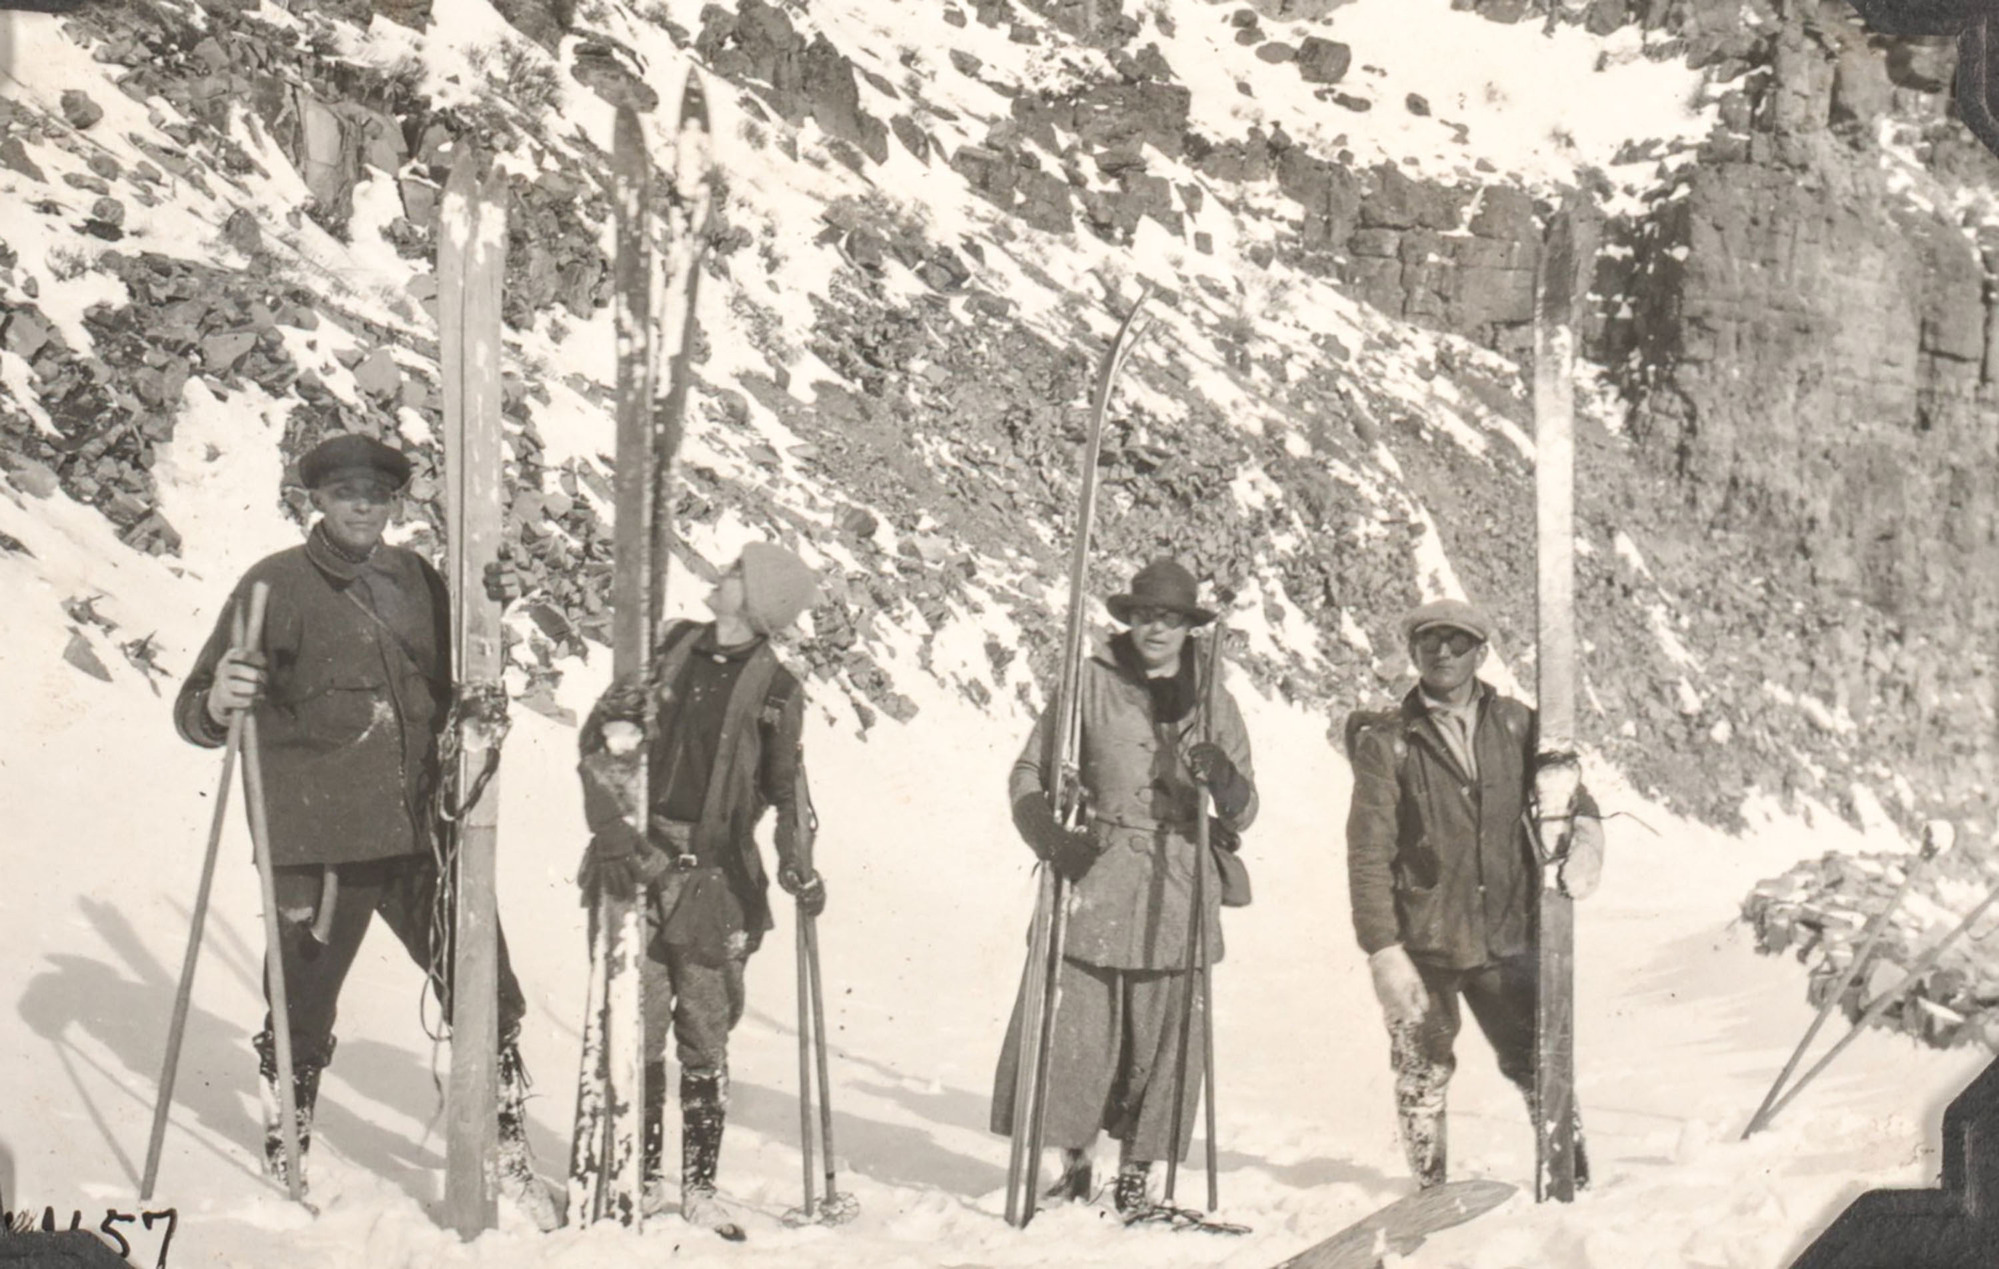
(777, 586)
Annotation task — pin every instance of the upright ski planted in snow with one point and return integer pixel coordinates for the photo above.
(1557, 772)
(471, 264)
(606, 1163)
(1051, 905)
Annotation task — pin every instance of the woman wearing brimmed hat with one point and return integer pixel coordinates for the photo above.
(1125, 972)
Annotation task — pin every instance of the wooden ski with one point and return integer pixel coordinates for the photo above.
(1557, 773)
(471, 268)
(606, 1164)
(1401, 1227)
(1047, 934)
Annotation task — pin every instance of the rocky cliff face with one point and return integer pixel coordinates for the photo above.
(1804, 341)
(1786, 488)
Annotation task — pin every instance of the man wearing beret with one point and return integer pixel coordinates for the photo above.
(726, 722)
(1444, 875)
(1127, 967)
(352, 685)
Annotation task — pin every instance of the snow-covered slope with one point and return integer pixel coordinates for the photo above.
(1681, 1024)
(894, 358)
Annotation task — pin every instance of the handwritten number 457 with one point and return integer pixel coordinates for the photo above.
(108, 1227)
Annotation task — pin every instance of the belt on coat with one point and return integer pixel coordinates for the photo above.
(1184, 828)
(676, 838)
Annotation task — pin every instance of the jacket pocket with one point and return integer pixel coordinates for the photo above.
(1420, 901)
(342, 714)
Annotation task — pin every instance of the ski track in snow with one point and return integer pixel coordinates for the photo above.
(1680, 1025)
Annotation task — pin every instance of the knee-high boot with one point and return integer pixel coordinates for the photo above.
(306, 1066)
(518, 1179)
(703, 1113)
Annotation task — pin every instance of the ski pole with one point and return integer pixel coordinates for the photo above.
(1196, 947)
(1208, 1071)
(1204, 830)
(831, 1207)
(1197, 950)
(1935, 834)
(274, 963)
(1882, 1003)
(177, 1029)
(1027, 1044)
(805, 1061)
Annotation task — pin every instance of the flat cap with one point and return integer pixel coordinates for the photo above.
(350, 450)
(1455, 613)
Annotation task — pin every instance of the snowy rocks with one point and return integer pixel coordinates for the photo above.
(1821, 908)
(800, 79)
(79, 111)
(611, 70)
(1322, 61)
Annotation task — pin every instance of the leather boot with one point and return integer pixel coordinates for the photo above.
(1129, 1194)
(703, 1113)
(305, 1096)
(516, 1162)
(1423, 1144)
(1575, 1134)
(1075, 1182)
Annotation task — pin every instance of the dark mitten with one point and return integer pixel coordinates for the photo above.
(610, 863)
(1212, 767)
(810, 891)
(1071, 853)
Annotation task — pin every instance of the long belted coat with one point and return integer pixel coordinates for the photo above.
(1132, 909)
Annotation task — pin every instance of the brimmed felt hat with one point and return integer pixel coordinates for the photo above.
(1453, 613)
(1161, 584)
(348, 451)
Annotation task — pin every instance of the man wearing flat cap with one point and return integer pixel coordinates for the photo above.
(1443, 873)
(1127, 967)
(726, 722)
(351, 684)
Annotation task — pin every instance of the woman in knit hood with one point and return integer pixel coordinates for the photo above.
(726, 746)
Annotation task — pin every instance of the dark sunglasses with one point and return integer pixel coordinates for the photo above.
(1458, 641)
(1150, 616)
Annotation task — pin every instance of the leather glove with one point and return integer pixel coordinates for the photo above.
(239, 684)
(809, 891)
(1582, 866)
(1213, 768)
(1398, 986)
(610, 864)
(1070, 853)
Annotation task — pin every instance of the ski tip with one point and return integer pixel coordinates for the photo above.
(693, 103)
